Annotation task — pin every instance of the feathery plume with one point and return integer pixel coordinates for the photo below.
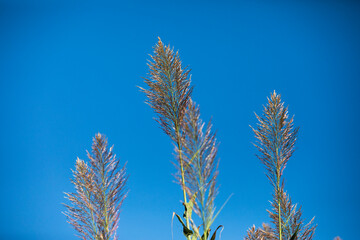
(100, 191)
(253, 234)
(169, 94)
(264, 233)
(169, 89)
(201, 164)
(276, 137)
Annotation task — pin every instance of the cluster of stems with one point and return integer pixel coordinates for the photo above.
(101, 184)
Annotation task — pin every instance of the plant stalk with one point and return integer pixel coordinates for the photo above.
(278, 190)
(182, 175)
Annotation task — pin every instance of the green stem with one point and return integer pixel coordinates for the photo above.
(182, 172)
(104, 194)
(279, 206)
(178, 137)
(278, 185)
(182, 175)
(92, 214)
(278, 166)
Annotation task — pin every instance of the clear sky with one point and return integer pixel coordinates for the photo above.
(70, 69)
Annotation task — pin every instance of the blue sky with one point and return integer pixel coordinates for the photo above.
(70, 69)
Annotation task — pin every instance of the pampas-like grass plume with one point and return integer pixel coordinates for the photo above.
(276, 137)
(169, 94)
(201, 165)
(100, 191)
(169, 89)
(263, 233)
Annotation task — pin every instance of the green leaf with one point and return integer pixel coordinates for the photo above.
(293, 237)
(204, 237)
(187, 232)
(189, 206)
(213, 219)
(214, 235)
(195, 229)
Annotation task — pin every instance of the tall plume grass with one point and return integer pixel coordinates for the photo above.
(276, 137)
(100, 183)
(169, 94)
(100, 191)
(201, 164)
